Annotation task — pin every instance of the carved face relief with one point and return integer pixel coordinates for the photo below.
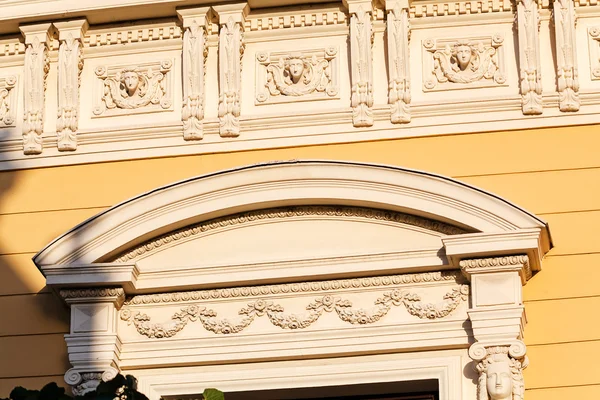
(131, 82)
(463, 56)
(499, 381)
(295, 68)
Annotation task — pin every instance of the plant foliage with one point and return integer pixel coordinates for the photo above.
(119, 388)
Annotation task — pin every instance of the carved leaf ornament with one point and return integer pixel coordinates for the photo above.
(315, 77)
(277, 316)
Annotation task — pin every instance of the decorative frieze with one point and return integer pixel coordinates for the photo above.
(398, 37)
(8, 100)
(70, 65)
(112, 36)
(276, 315)
(461, 7)
(463, 63)
(195, 49)
(361, 62)
(145, 87)
(500, 370)
(36, 70)
(231, 49)
(283, 213)
(298, 19)
(530, 70)
(296, 76)
(518, 263)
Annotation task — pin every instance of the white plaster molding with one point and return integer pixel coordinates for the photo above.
(594, 46)
(528, 241)
(333, 302)
(8, 100)
(231, 49)
(361, 60)
(315, 75)
(37, 66)
(567, 74)
(93, 343)
(124, 89)
(70, 65)
(300, 17)
(444, 367)
(195, 49)
(398, 38)
(500, 369)
(530, 68)
(482, 67)
(287, 183)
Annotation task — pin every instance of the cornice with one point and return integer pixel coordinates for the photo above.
(296, 288)
(285, 213)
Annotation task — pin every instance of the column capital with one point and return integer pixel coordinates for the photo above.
(116, 296)
(201, 16)
(354, 5)
(392, 4)
(486, 265)
(41, 32)
(237, 11)
(75, 28)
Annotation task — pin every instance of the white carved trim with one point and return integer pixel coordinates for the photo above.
(567, 74)
(441, 70)
(154, 91)
(231, 50)
(8, 100)
(446, 368)
(398, 37)
(70, 65)
(361, 60)
(195, 50)
(37, 66)
(319, 79)
(297, 18)
(530, 69)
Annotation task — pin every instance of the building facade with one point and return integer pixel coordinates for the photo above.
(289, 199)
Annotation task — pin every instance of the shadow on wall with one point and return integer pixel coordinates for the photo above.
(33, 319)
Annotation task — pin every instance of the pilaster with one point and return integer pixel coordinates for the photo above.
(37, 65)
(195, 24)
(498, 318)
(231, 49)
(70, 65)
(93, 343)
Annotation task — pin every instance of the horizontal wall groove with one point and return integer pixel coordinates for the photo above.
(562, 387)
(51, 210)
(541, 171)
(560, 343)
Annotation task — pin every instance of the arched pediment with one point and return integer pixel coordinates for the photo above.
(289, 220)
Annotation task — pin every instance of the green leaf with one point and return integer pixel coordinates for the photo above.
(213, 394)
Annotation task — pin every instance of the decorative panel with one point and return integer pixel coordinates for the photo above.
(128, 89)
(8, 100)
(297, 76)
(463, 63)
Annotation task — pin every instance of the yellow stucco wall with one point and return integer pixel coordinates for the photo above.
(554, 173)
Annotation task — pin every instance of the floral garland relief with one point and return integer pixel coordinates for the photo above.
(276, 315)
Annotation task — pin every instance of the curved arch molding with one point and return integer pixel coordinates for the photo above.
(484, 224)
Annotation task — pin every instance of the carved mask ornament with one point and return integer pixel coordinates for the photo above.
(463, 55)
(130, 82)
(499, 380)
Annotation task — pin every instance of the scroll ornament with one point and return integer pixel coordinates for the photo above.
(529, 57)
(195, 51)
(70, 65)
(467, 62)
(132, 88)
(298, 75)
(276, 315)
(361, 34)
(398, 53)
(37, 66)
(566, 55)
(7, 114)
(231, 49)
